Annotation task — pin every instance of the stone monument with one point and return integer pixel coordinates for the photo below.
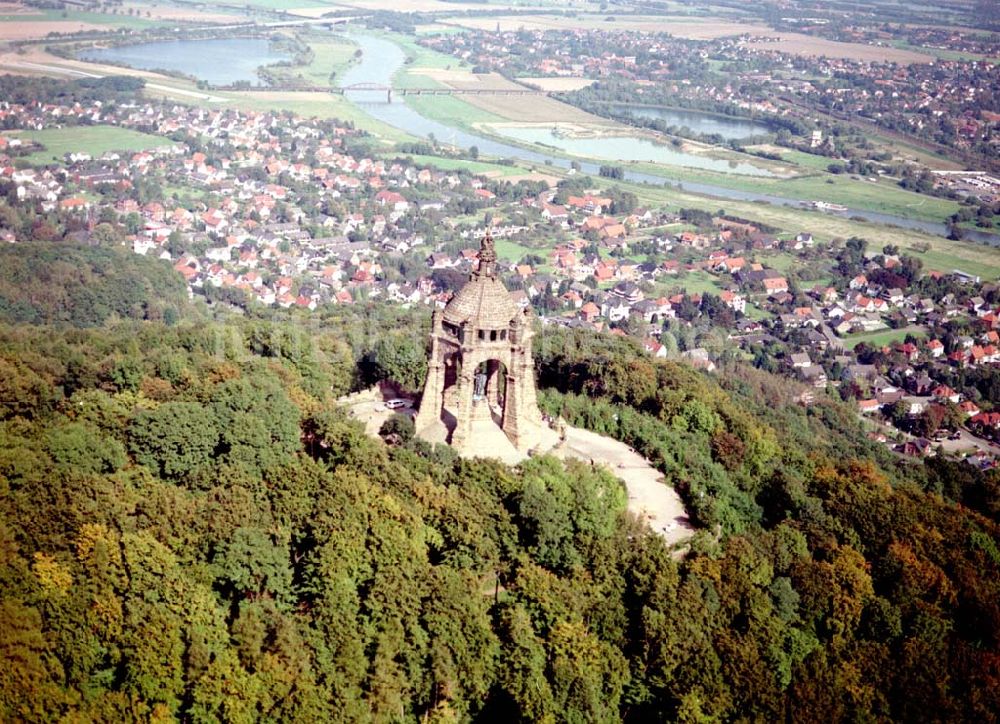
(479, 396)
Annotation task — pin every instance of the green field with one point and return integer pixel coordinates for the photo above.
(331, 54)
(94, 140)
(121, 20)
(407, 79)
(312, 104)
(423, 57)
(882, 197)
(452, 164)
(450, 109)
(782, 262)
(883, 337)
(696, 282)
(806, 160)
(942, 53)
(893, 145)
(512, 251)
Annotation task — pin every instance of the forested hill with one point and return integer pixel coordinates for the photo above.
(190, 529)
(85, 286)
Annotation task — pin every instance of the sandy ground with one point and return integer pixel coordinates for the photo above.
(26, 29)
(680, 27)
(799, 44)
(648, 497)
(558, 85)
(370, 409)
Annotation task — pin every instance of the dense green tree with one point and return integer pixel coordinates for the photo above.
(176, 439)
(397, 358)
(81, 448)
(83, 285)
(259, 424)
(212, 539)
(254, 565)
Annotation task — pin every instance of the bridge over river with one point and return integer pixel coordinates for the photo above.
(439, 91)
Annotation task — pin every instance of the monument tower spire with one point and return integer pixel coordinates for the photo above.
(487, 257)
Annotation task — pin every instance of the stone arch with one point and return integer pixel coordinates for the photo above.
(452, 369)
(493, 373)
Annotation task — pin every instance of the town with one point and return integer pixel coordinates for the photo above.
(255, 208)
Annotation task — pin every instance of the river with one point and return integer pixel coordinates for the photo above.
(382, 58)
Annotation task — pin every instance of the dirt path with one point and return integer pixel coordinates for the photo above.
(649, 497)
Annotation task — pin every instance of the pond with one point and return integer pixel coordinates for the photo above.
(626, 148)
(220, 62)
(706, 124)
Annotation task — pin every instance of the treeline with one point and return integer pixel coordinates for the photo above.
(42, 283)
(191, 529)
(30, 90)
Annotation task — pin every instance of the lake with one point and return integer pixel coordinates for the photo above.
(705, 123)
(627, 148)
(219, 62)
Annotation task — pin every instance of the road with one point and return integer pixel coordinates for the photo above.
(967, 442)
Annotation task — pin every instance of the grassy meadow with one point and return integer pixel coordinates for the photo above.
(95, 140)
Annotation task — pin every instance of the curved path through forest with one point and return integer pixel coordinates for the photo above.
(649, 498)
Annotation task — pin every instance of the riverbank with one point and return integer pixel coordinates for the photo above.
(792, 182)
